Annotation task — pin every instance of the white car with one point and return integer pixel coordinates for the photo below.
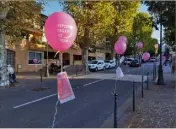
(110, 64)
(96, 65)
(107, 64)
(128, 61)
(153, 59)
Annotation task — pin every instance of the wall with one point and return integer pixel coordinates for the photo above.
(23, 48)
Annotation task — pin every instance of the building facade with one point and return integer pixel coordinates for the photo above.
(21, 55)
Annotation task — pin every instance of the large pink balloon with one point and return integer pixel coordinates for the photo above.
(123, 38)
(140, 45)
(60, 31)
(145, 56)
(35, 60)
(120, 47)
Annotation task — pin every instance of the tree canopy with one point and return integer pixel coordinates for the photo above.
(164, 13)
(21, 15)
(142, 31)
(99, 20)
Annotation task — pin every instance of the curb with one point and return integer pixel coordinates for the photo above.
(81, 74)
(50, 77)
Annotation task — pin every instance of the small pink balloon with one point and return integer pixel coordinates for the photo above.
(35, 60)
(123, 38)
(120, 47)
(60, 31)
(140, 45)
(145, 56)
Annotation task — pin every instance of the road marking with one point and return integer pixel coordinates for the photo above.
(30, 102)
(27, 103)
(93, 82)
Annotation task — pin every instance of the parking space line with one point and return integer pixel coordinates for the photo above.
(46, 97)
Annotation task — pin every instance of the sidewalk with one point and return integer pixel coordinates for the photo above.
(156, 110)
(72, 71)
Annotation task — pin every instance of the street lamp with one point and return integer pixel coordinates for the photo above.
(160, 80)
(3, 71)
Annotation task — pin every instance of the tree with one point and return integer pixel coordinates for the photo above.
(93, 20)
(164, 13)
(142, 26)
(142, 29)
(123, 21)
(21, 15)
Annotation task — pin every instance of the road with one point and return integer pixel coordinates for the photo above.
(21, 107)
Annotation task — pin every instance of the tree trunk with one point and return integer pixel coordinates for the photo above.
(112, 53)
(85, 47)
(4, 79)
(85, 59)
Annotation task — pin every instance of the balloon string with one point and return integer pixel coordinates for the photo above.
(54, 119)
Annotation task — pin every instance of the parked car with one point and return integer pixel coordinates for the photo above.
(107, 64)
(153, 59)
(128, 61)
(110, 64)
(96, 65)
(134, 63)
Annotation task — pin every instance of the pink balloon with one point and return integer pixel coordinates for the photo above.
(145, 56)
(120, 47)
(123, 38)
(140, 45)
(60, 31)
(35, 60)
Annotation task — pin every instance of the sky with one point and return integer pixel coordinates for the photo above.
(54, 6)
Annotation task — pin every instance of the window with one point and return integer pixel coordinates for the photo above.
(10, 58)
(77, 57)
(33, 55)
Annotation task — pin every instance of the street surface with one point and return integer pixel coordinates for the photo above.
(20, 107)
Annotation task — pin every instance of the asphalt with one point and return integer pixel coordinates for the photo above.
(93, 103)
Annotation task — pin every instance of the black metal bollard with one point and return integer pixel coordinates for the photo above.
(115, 110)
(153, 72)
(133, 96)
(147, 80)
(41, 78)
(142, 91)
(76, 70)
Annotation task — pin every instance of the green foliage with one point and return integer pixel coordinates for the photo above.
(93, 20)
(21, 15)
(164, 13)
(142, 26)
(102, 19)
(124, 16)
(142, 31)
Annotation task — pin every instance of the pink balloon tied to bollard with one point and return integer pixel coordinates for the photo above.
(140, 45)
(145, 56)
(120, 46)
(123, 38)
(60, 31)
